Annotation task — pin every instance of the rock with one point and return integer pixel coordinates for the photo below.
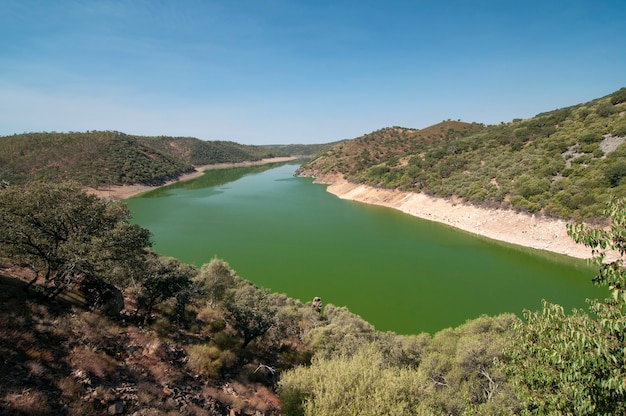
(116, 408)
(317, 304)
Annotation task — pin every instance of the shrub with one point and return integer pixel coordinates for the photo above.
(606, 109)
(209, 359)
(619, 96)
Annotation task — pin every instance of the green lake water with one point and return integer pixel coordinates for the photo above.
(398, 272)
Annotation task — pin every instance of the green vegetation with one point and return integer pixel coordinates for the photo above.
(207, 341)
(453, 372)
(564, 163)
(300, 150)
(209, 327)
(576, 364)
(112, 158)
(65, 236)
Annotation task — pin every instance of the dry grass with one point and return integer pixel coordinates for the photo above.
(96, 363)
(28, 402)
(64, 360)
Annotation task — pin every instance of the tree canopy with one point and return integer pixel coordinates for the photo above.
(576, 363)
(63, 234)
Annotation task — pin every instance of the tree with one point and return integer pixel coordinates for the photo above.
(216, 279)
(162, 278)
(65, 235)
(251, 311)
(576, 364)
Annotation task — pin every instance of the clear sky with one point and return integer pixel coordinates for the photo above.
(299, 71)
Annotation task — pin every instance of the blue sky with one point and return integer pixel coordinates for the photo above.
(295, 71)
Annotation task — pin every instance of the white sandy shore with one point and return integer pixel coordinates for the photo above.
(503, 225)
(116, 192)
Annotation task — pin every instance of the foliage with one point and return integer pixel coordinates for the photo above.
(451, 373)
(160, 279)
(100, 158)
(576, 364)
(209, 359)
(251, 312)
(64, 234)
(299, 150)
(459, 371)
(359, 384)
(619, 96)
(552, 164)
(344, 333)
(215, 279)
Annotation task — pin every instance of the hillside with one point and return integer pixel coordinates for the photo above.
(112, 158)
(300, 150)
(59, 358)
(563, 163)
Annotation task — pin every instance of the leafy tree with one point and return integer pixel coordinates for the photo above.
(64, 234)
(216, 279)
(576, 364)
(606, 109)
(251, 311)
(162, 278)
(614, 172)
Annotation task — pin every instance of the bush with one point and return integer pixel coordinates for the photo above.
(606, 109)
(209, 360)
(619, 96)
(615, 172)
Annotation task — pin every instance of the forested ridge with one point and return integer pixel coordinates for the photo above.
(98, 158)
(563, 163)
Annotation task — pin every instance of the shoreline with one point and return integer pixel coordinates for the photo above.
(119, 192)
(502, 225)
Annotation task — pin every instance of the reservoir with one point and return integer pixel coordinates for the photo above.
(398, 272)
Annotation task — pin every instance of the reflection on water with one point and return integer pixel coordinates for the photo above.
(212, 178)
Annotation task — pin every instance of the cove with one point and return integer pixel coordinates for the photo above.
(398, 272)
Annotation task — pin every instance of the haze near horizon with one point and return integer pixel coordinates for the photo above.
(284, 71)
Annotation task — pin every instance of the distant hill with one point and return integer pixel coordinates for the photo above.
(112, 158)
(304, 150)
(384, 146)
(563, 163)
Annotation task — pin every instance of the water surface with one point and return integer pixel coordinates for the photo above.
(398, 272)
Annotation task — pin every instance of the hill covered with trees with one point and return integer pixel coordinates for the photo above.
(563, 163)
(112, 158)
